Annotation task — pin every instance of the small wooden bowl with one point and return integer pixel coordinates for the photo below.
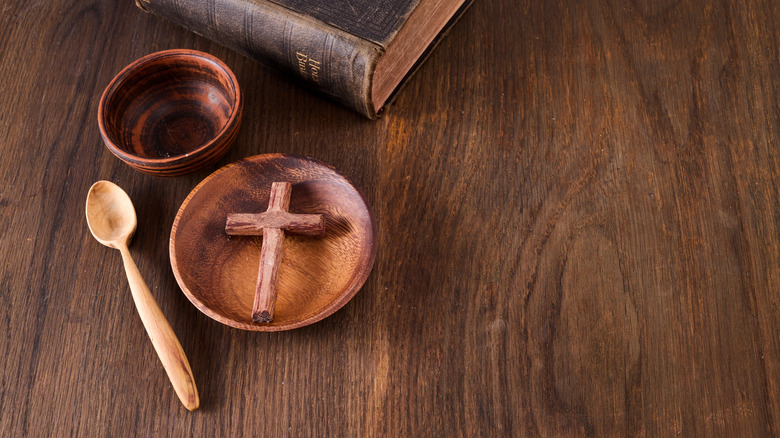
(171, 112)
(317, 276)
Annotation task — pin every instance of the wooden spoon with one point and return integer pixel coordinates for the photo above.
(111, 219)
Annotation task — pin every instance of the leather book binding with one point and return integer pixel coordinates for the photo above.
(357, 52)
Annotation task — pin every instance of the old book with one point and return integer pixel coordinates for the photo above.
(358, 52)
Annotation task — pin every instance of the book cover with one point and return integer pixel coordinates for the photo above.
(358, 52)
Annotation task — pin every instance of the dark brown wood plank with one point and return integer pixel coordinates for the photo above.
(578, 215)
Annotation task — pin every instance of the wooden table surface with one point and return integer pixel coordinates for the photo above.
(578, 218)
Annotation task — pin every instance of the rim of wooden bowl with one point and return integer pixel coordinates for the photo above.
(196, 159)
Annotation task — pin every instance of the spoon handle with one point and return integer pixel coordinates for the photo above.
(163, 338)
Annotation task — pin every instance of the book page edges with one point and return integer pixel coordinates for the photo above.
(424, 29)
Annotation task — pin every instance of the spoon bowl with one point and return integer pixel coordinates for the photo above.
(112, 221)
(110, 214)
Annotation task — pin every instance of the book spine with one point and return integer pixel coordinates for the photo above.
(320, 56)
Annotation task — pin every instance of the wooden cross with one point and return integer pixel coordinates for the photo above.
(272, 224)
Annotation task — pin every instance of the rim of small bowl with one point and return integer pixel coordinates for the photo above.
(150, 165)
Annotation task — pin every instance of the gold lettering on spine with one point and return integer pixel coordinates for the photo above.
(302, 63)
(315, 70)
(308, 67)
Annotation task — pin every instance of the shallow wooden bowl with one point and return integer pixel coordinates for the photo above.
(318, 275)
(171, 112)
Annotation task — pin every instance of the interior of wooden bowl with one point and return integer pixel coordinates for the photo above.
(169, 105)
(318, 275)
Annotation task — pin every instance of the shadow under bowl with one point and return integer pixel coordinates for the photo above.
(171, 113)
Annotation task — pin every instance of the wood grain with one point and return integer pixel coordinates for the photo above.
(578, 220)
(252, 224)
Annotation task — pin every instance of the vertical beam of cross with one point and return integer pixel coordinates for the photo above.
(272, 224)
